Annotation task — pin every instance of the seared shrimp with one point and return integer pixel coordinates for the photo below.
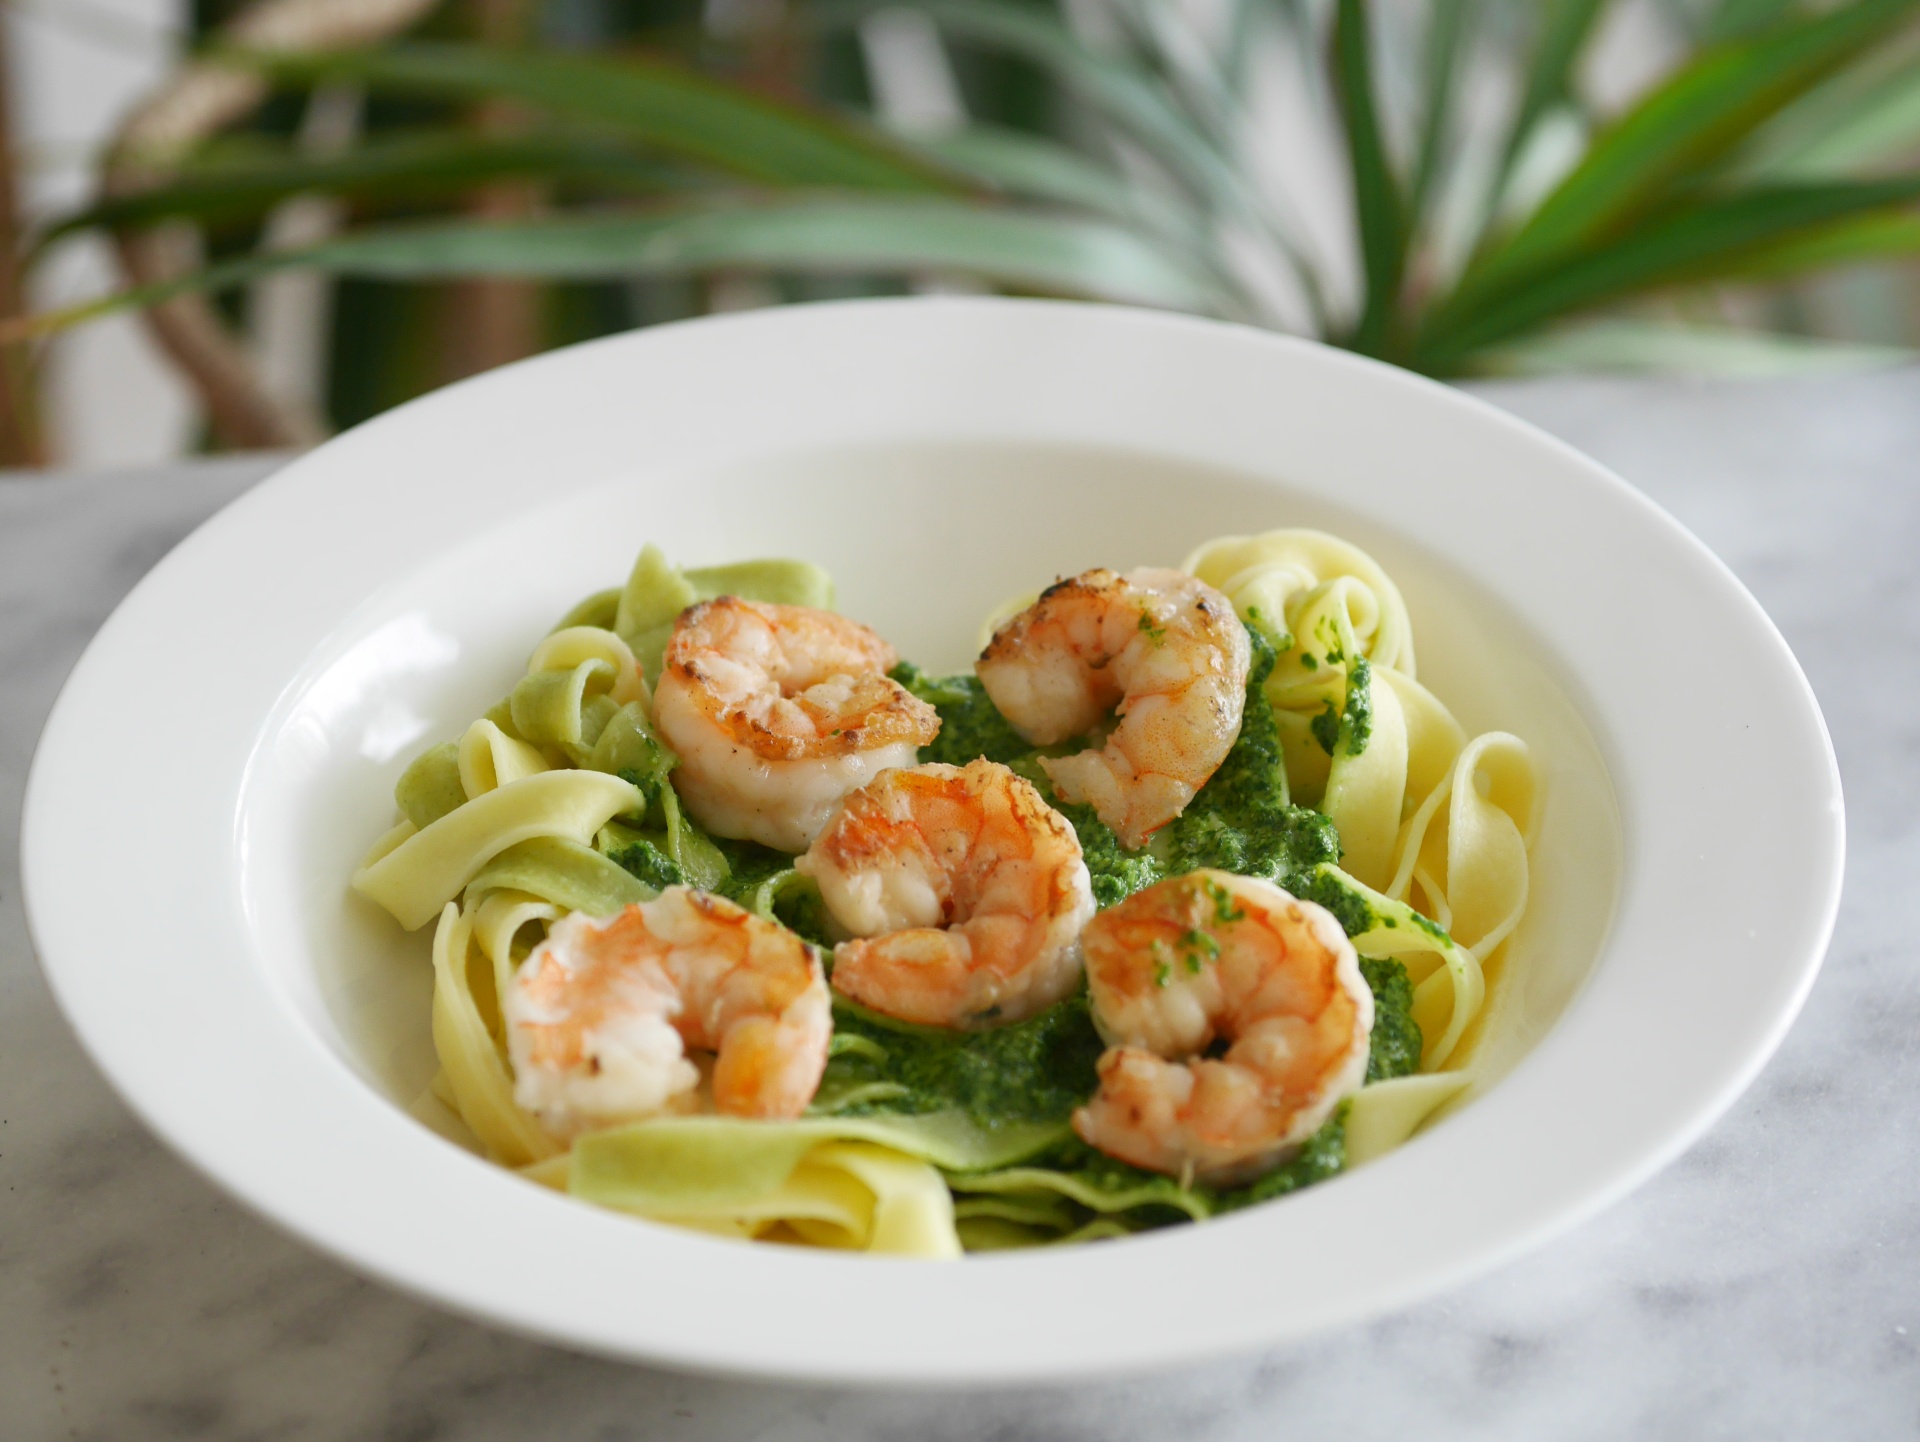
(1213, 955)
(1167, 648)
(964, 890)
(601, 1016)
(777, 712)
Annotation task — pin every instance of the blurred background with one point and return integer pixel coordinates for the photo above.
(230, 226)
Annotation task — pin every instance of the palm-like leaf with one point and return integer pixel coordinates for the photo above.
(1702, 241)
(1447, 26)
(1684, 128)
(1031, 168)
(1564, 26)
(1056, 254)
(671, 110)
(1126, 96)
(1781, 145)
(1381, 209)
(406, 168)
(1892, 234)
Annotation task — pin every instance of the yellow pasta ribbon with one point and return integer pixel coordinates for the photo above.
(1449, 987)
(428, 869)
(1364, 793)
(1272, 571)
(478, 1079)
(488, 759)
(832, 1182)
(1383, 1115)
(566, 649)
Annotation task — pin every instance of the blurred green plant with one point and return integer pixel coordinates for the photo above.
(1494, 217)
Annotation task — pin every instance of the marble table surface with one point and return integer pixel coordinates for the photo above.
(1766, 1285)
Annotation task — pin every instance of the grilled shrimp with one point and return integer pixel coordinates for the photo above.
(1213, 955)
(601, 1016)
(1167, 648)
(964, 890)
(777, 712)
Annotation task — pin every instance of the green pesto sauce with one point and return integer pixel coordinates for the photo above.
(1151, 1199)
(1349, 908)
(1326, 727)
(1324, 1155)
(750, 867)
(649, 863)
(1356, 721)
(1036, 1070)
(1394, 1048)
(970, 727)
(1116, 872)
(1241, 820)
(1352, 725)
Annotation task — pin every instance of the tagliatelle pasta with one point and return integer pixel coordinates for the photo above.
(431, 867)
(1347, 783)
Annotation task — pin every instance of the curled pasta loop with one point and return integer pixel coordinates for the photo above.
(563, 873)
(488, 759)
(564, 711)
(472, 1059)
(1337, 622)
(564, 650)
(430, 868)
(1279, 567)
(498, 920)
(1366, 789)
(1464, 848)
(1449, 986)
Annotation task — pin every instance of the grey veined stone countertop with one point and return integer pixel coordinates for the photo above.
(1766, 1285)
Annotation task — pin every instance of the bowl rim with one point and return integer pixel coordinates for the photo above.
(299, 1147)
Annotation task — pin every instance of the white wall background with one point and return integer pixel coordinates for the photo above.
(77, 67)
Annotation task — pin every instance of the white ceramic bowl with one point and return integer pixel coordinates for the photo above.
(237, 725)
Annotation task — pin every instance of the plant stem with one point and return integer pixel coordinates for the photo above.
(22, 441)
(495, 321)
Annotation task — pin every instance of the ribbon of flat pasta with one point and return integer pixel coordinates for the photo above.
(429, 868)
(1463, 851)
(563, 873)
(1382, 1116)
(1335, 619)
(430, 787)
(1449, 986)
(563, 711)
(845, 1196)
(1434, 738)
(1269, 571)
(756, 1176)
(566, 649)
(498, 920)
(473, 1062)
(1425, 816)
(1366, 788)
(488, 758)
